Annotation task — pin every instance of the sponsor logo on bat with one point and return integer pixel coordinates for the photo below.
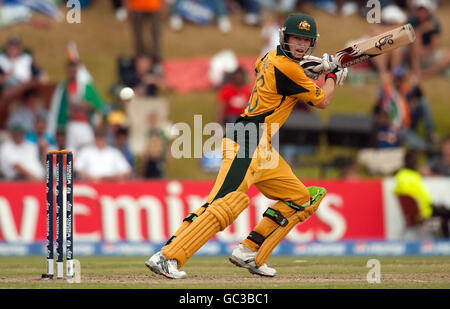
(362, 58)
(384, 40)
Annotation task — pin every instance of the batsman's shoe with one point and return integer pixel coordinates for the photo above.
(165, 267)
(245, 257)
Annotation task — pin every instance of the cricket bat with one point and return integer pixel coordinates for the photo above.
(377, 45)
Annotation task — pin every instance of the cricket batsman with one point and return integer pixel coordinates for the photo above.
(283, 77)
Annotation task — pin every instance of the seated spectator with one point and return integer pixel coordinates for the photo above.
(100, 162)
(17, 66)
(157, 149)
(440, 166)
(143, 79)
(142, 12)
(76, 106)
(420, 112)
(385, 135)
(270, 32)
(18, 74)
(61, 139)
(119, 10)
(40, 137)
(122, 143)
(410, 182)
(28, 111)
(285, 6)
(233, 96)
(200, 12)
(427, 58)
(19, 159)
(252, 9)
(391, 17)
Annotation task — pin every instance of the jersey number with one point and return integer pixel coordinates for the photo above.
(251, 107)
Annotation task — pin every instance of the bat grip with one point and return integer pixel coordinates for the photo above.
(318, 68)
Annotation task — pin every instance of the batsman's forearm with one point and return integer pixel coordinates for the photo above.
(328, 89)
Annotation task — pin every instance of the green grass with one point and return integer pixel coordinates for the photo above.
(218, 273)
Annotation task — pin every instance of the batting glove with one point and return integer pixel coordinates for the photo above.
(312, 66)
(338, 75)
(328, 64)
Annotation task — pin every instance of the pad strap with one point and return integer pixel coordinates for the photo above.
(276, 216)
(190, 217)
(297, 207)
(256, 238)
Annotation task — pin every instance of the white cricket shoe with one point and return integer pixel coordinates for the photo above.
(243, 256)
(162, 266)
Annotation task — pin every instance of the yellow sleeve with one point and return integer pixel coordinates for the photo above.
(291, 80)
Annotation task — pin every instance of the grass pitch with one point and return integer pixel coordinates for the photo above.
(219, 273)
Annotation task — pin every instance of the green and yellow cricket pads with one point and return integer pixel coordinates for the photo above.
(304, 212)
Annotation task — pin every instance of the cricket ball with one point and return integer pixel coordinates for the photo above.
(126, 94)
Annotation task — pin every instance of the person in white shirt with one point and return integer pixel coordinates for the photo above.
(17, 66)
(100, 162)
(19, 159)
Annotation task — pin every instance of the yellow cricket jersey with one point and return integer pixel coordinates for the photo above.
(280, 83)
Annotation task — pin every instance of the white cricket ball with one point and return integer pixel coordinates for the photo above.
(126, 94)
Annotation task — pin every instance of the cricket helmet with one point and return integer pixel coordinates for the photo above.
(300, 24)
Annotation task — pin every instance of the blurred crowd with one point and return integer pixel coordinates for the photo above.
(36, 116)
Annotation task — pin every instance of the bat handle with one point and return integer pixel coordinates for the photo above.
(318, 68)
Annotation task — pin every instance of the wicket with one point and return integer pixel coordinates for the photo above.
(59, 192)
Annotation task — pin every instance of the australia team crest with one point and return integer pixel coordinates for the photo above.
(304, 25)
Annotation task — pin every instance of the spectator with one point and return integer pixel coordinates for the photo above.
(100, 162)
(19, 159)
(61, 139)
(271, 32)
(385, 135)
(119, 10)
(252, 9)
(420, 112)
(391, 17)
(393, 99)
(118, 134)
(17, 66)
(410, 182)
(285, 6)
(189, 9)
(40, 137)
(141, 12)
(18, 73)
(427, 58)
(440, 166)
(76, 107)
(156, 152)
(143, 78)
(121, 137)
(233, 96)
(27, 112)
